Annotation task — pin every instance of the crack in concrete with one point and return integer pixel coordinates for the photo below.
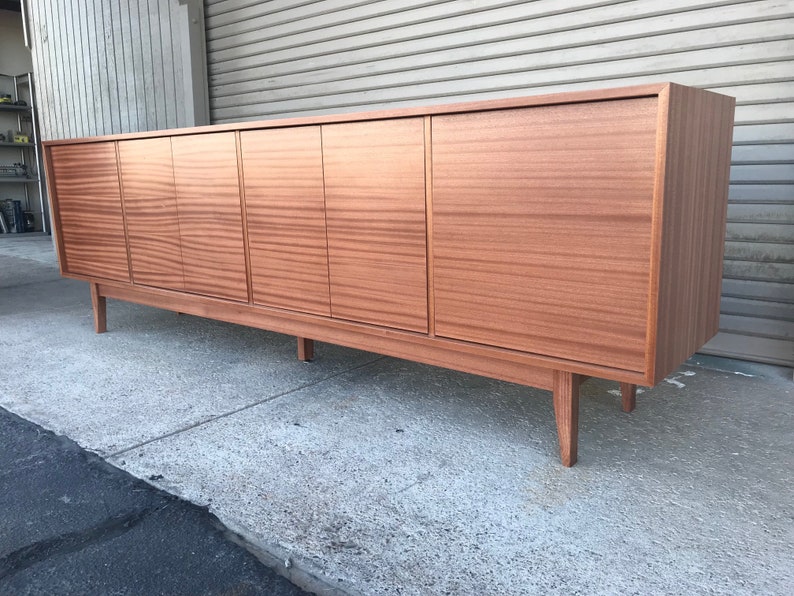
(242, 408)
(71, 542)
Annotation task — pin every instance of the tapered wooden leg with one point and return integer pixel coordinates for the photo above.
(99, 306)
(628, 393)
(566, 410)
(305, 349)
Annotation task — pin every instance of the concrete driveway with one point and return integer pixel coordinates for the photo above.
(381, 476)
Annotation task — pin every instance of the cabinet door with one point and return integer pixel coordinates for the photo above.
(375, 211)
(285, 207)
(147, 179)
(542, 229)
(86, 185)
(210, 214)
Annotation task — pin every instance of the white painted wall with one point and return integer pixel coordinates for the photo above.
(15, 58)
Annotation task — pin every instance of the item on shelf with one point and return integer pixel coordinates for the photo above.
(3, 225)
(12, 210)
(21, 102)
(2, 138)
(18, 170)
(5, 98)
(20, 138)
(28, 221)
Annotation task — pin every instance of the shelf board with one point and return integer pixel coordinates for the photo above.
(6, 144)
(6, 107)
(18, 179)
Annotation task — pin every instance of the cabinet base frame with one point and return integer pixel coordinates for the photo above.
(507, 365)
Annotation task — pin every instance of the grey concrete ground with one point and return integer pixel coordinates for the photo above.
(387, 477)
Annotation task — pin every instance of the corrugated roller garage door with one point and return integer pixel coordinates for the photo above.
(292, 58)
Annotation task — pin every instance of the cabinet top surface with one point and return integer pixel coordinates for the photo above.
(431, 110)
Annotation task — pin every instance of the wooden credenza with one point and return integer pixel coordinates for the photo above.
(539, 240)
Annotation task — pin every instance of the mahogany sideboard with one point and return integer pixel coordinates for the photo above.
(539, 240)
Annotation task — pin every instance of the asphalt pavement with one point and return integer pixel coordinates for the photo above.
(70, 523)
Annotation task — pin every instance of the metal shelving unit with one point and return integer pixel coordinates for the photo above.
(23, 118)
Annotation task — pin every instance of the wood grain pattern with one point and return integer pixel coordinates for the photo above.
(691, 226)
(285, 206)
(431, 298)
(86, 195)
(542, 217)
(241, 186)
(566, 412)
(210, 217)
(60, 249)
(375, 213)
(149, 195)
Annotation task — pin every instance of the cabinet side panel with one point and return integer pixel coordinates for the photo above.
(375, 200)
(700, 129)
(86, 183)
(541, 228)
(210, 217)
(285, 207)
(147, 181)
